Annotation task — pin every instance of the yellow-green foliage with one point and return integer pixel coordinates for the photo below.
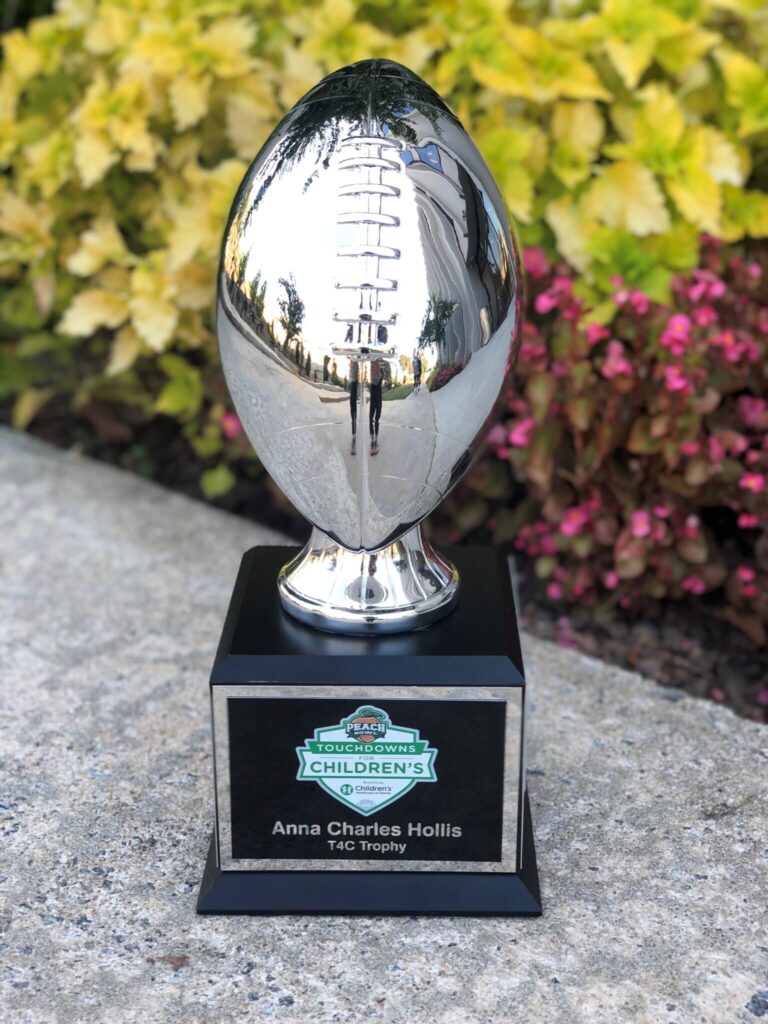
(619, 132)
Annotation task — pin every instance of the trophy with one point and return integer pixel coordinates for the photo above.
(368, 691)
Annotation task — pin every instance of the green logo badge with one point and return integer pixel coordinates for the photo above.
(366, 762)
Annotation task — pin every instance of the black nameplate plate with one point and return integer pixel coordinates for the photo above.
(384, 779)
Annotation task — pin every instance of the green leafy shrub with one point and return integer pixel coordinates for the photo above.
(619, 133)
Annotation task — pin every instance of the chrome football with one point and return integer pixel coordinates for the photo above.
(367, 242)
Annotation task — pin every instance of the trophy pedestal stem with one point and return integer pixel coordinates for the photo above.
(401, 587)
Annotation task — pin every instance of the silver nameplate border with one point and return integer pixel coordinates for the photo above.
(514, 777)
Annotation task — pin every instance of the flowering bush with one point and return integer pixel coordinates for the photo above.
(438, 378)
(643, 442)
(619, 132)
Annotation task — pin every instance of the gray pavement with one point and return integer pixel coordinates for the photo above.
(650, 810)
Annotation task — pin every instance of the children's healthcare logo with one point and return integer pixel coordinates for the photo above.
(365, 762)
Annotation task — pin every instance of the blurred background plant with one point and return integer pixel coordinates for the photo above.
(640, 450)
(630, 140)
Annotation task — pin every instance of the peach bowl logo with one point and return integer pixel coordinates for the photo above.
(365, 762)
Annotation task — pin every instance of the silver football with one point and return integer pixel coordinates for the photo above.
(368, 311)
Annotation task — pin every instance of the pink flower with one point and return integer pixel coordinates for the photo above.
(750, 350)
(748, 590)
(675, 345)
(563, 285)
(572, 311)
(733, 442)
(545, 302)
(706, 285)
(752, 411)
(754, 482)
(597, 333)
(690, 448)
(725, 339)
(560, 294)
(679, 323)
(716, 289)
(697, 291)
(640, 523)
(616, 363)
(497, 434)
(535, 262)
(704, 316)
(610, 579)
(675, 380)
(662, 511)
(574, 520)
(694, 584)
(677, 334)
(555, 591)
(230, 425)
(733, 349)
(548, 545)
(745, 573)
(715, 449)
(748, 520)
(690, 528)
(754, 270)
(520, 435)
(639, 302)
(532, 352)
(659, 531)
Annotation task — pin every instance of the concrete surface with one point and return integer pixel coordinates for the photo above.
(650, 810)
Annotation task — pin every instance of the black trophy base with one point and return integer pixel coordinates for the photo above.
(408, 893)
(263, 649)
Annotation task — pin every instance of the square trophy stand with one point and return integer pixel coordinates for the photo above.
(370, 775)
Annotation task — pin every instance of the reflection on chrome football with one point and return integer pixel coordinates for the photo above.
(368, 310)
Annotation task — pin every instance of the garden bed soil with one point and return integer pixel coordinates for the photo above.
(682, 645)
